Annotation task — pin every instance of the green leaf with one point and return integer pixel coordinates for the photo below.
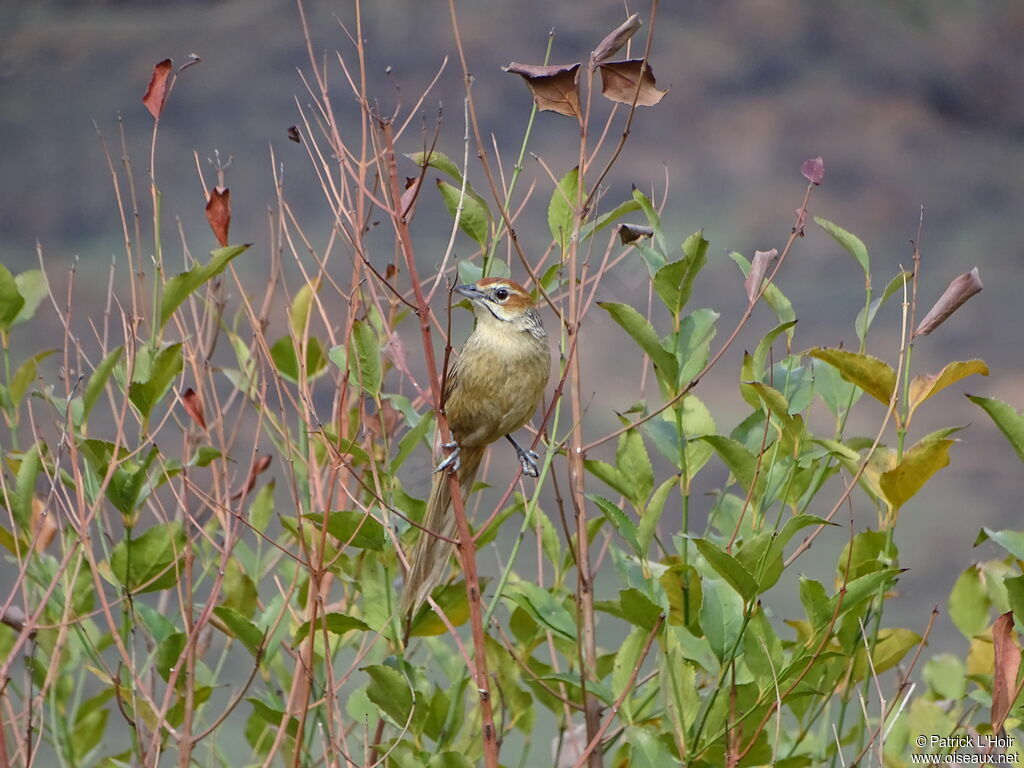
(336, 624)
(773, 295)
(391, 692)
(1011, 541)
(98, 380)
(565, 201)
(721, 616)
(345, 525)
(128, 486)
(946, 675)
(544, 607)
(150, 562)
(365, 364)
(861, 589)
(33, 289)
(925, 385)
(411, 440)
(741, 462)
(239, 591)
(764, 346)
(625, 660)
(922, 461)
(25, 487)
(837, 393)
(179, 287)
(652, 217)
(646, 749)
(240, 628)
(969, 603)
(815, 602)
(632, 460)
(605, 219)
(1006, 418)
(449, 760)
(652, 514)
(439, 161)
(286, 359)
(643, 333)
(298, 312)
(674, 281)
(262, 507)
(11, 300)
(693, 343)
(453, 601)
(164, 368)
(874, 376)
(729, 568)
(168, 653)
(620, 521)
(892, 645)
(475, 218)
(849, 241)
(90, 724)
(638, 609)
(611, 475)
(866, 316)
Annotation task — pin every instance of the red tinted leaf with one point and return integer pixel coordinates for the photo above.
(619, 83)
(1006, 667)
(758, 269)
(156, 93)
(813, 170)
(958, 292)
(617, 38)
(554, 88)
(194, 407)
(218, 213)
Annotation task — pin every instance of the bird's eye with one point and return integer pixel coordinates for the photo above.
(501, 294)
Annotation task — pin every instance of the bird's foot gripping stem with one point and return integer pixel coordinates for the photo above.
(527, 459)
(453, 461)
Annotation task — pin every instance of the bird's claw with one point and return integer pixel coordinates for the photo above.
(453, 461)
(528, 461)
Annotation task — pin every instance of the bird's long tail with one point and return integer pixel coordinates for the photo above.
(430, 554)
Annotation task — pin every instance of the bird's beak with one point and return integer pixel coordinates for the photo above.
(470, 291)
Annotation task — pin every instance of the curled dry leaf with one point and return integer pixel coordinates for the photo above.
(412, 188)
(813, 170)
(617, 38)
(218, 213)
(294, 135)
(758, 269)
(958, 292)
(629, 233)
(156, 93)
(1005, 668)
(619, 82)
(258, 468)
(554, 88)
(194, 407)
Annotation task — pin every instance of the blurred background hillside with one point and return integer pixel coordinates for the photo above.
(917, 103)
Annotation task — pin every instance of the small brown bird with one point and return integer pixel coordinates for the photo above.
(493, 388)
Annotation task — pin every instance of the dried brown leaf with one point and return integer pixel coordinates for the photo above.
(294, 135)
(629, 233)
(194, 407)
(44, 526)
(1006, 667)
(619, 82)
(258, 468)
(412, 189)
(617, 38)
(758, 269)
(156, 93)
(813, 170)
(554, 88)
(958, 292)
(218, 213)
